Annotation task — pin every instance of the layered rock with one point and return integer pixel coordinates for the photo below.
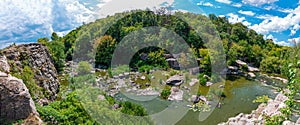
(15, 100)
(38, 58)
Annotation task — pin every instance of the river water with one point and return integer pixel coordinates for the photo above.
(240, 94)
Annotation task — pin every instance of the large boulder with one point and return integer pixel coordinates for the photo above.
(176, 94)
(175, 80)
(15, 100)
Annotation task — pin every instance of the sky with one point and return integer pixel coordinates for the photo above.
(26, 21)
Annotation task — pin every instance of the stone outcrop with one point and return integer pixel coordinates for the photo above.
(4, 66)
(256, 116)
(38, 58)
(15, 100)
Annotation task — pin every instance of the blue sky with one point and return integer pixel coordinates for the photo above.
(25, 21)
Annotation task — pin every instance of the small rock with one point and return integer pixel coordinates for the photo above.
(101, 97)
(193, 82)
(252, 75)
(288, 123)
(221, 86)
(143, 78)
(115, 106)
(209, 83)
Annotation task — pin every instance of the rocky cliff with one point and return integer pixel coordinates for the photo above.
(38, 58)
(15, 100)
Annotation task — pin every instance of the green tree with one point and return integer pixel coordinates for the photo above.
(56, 49)
(105, 46)
(271, 65)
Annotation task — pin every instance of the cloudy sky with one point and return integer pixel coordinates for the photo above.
(25, 21)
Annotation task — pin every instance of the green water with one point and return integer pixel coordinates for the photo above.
(239, 96)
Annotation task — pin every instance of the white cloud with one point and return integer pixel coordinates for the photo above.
(202, 3)
(294, 40)
(237, 5)
(208, 4)
(294, 29)
(278, 24)
(224, 1)
(275, 40)
(285, 10)
(258, 2)
(249, 13)
(266, 16)
(233, 18)
(27, 20)
(113, 6)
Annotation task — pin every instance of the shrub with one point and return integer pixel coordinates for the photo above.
(133, 109)
(261, 99)
(165, 93)
(202, 79)
(84, 68)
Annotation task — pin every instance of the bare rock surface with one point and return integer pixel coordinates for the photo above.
(15, 100)
(40, 61)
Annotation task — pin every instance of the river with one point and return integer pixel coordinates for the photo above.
(239, 92)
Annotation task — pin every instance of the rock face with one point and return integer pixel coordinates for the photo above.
(15, 100)
(4, 66)
(256, 117)
(39, 60)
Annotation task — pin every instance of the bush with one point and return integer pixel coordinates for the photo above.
(261, 99)
(133, 109)
(202, 79)
(145, 68)
(165, 93)
(84, 68)
(67, 111)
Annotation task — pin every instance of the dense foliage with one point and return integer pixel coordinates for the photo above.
(239, 41)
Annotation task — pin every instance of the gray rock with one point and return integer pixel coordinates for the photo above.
(101, 97)
(288, 123)
(4, 66)
(193, 82)
(115, 106)
(252, 75)
(209, 83)
(176, 80)
(176, 94)
(15, 100)
(41, 62)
